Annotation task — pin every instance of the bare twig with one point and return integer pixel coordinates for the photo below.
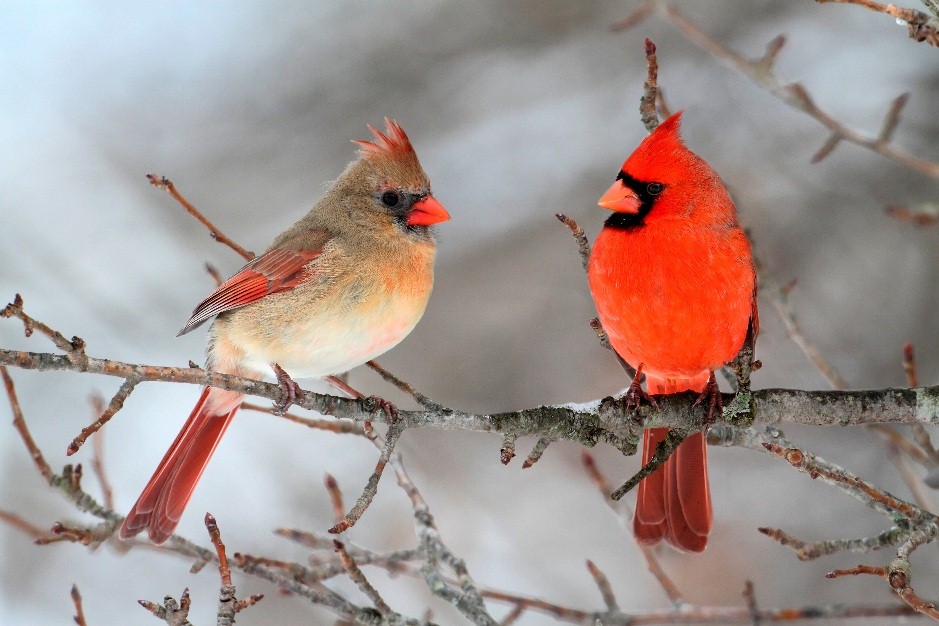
(807, 551)
(115, 405)
(647, 103)
(79, 611)
(407, 388)
(228, 604)
(507, 452)
(371, 487)
(760, 71)
(334, 426)
(164, 183)
(915, 526)
(335, 497)
(897, 574)
(603, 584)
(172, 612)
(466, 597)
(17, 522)
(601, 334)
(921, 26)
(215, 274)
(20, 424)
(97, 459)
(749, 595)
(360, 580)
(535, 455)
(663, 450)
(583, 246)
(655, 568)
(926, 214)
(74, 348)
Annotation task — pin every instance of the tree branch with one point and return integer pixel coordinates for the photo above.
(760, 71)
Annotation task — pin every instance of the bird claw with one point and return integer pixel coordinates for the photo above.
(290, 388)
(635, 395)
(712, 394)
(391, 411)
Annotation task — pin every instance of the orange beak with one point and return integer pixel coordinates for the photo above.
(620, 198)
(426, 212)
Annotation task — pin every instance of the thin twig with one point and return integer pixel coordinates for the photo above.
(807, 551)
(371, 487)
(74, 348)
(925, 214)
(921, 27)
(22, 525)
(663, 450)
(583, 245)
(115, 405)
(79, 611)
(97, 458)
(166, 184)
(507, 451)
(172, 612)
(749, 595)
(649, 99)
(603, 584)
(356, 575)
(793, 94)
(20, 424)
(535, 455)
(655, 568)
(335, 497)
(467, 597)
(338, 426)
(407, 388)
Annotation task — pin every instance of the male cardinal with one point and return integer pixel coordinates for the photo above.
(672, 277)
(341, 286)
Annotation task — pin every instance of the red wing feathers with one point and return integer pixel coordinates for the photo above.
(274, 271)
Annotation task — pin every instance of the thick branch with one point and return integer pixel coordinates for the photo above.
(606, 420)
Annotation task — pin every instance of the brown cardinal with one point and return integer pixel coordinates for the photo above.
(673, 280)
(341, 286)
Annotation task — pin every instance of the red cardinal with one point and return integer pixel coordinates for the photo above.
(672, 277)
(341, 286)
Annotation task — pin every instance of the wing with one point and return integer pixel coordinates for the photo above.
(275, 270)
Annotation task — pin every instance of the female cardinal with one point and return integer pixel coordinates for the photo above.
(672, 277)
(344, 284)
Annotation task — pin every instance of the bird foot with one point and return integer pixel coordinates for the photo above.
(290, 388)
(391, 411)
(711, 393)
(635, 395)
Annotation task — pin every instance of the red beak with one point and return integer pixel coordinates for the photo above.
(620, 198)
(426, 212)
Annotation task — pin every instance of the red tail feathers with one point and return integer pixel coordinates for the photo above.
(674, 502)
(161, 504)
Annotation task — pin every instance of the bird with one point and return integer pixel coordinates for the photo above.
(673, 280)
(342, 285)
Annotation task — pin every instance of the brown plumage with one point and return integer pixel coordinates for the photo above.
(342, 285)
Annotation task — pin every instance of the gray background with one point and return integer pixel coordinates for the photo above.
(518, 110)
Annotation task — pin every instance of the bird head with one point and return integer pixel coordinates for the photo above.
(395, 185)
(656, 176)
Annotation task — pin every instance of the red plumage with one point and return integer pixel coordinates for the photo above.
(673, 280)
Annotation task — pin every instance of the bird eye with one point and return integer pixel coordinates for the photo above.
(390, 199)
(655, 188)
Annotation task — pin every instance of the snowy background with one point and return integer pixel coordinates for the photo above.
(518, 110)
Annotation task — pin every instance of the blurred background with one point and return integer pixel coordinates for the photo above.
(518, 110)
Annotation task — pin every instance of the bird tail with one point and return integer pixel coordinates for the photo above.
(161, 504)
(674, 502)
